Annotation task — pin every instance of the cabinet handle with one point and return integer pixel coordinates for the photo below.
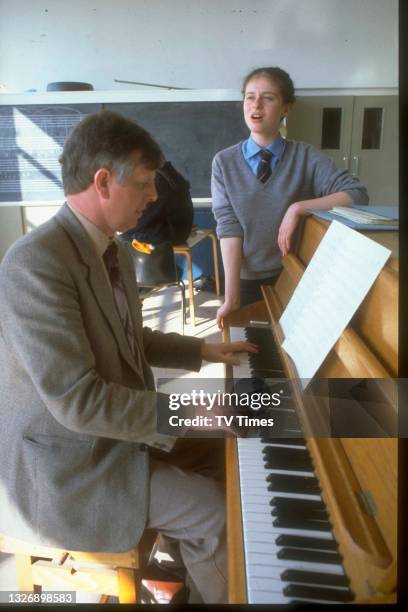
(356, 161)
(346, 162)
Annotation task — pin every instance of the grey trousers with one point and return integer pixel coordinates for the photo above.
(188, 505)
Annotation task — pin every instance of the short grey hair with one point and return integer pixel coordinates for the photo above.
(106, 140)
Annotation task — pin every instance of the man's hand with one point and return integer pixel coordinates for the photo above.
(222, 312)
(226, 352)
(287, 227)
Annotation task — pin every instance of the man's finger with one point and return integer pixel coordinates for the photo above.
(241, 347)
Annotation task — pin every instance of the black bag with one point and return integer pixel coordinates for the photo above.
(170, 217)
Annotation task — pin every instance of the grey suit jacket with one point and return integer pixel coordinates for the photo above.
(75, 411)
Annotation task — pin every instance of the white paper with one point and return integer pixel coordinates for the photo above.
(337, 279)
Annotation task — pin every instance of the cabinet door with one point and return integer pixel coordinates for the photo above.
(374, 147)
(326, 123)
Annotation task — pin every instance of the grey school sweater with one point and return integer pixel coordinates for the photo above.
(243, 206)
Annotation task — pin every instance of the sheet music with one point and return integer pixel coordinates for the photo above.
(338, 277)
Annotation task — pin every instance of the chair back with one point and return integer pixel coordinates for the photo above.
(157, 267)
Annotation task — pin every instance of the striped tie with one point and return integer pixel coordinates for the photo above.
(110, 258)
(264, 167)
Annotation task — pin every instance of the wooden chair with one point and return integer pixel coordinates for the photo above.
(107, 573)
(195, 238)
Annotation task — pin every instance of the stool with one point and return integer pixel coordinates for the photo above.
(195, 238)
(107, 573)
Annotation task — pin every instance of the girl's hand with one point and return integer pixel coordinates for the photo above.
(222, 312)
(287, 228)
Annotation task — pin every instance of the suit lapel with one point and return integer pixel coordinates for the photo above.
(97, 280)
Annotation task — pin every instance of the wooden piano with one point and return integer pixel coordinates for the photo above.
(357, 476)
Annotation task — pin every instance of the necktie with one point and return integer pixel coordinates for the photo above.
(264, 167)
(110, 258)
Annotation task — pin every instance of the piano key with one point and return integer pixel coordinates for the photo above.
(312, 592)
(274, 570)
(273, 547)
(287, 459)
(291, 575)
(301, 523)
(302, 542)
(298, 505)
(286, 442)
(292, 513)
(294, 484)
(272, 588)
(256, 559)
(314, 556)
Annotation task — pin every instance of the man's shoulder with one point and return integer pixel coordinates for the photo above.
(44, 241)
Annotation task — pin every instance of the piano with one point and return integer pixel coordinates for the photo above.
(314, 519)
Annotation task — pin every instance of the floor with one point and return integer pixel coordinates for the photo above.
(161, 311)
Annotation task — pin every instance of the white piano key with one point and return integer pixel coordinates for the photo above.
(270, 560)
(267, 548)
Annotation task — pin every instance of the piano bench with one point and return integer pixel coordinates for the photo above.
(116, 574)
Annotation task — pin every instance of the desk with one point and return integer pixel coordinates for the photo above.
(184, 249)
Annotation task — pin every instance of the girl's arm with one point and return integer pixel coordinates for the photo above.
(231, 250)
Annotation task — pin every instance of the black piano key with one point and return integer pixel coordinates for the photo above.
(314, 592)
(311, 556)
(300, 523)
(284, 422)
(286, 539)
(282, 458)
(308, 514)
(294, 575)
(268, 352)
(280, 464)
(293, 484)
(298, 504)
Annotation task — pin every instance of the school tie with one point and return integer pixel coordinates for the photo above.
(264, 167)
(110, 258)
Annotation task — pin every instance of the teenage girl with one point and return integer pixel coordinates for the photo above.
(261, 187)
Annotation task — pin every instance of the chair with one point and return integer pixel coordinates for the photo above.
(108, 573)
(196, 236)
(156, 270)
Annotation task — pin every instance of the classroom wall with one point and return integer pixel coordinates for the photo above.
(197, 43)
(204, 44)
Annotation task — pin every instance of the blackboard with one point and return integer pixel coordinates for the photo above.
(190, 134)
(31, 140)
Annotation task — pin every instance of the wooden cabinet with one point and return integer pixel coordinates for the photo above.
(359, 133)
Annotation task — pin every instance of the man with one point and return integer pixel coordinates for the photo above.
(78, 405)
